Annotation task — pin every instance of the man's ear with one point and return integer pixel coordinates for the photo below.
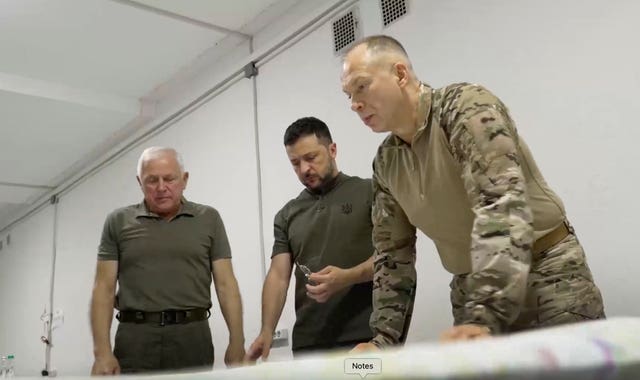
(401, 72)
(139, 182)
(333, 150)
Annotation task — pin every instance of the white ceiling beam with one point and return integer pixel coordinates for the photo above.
(60, 92)
(179, 17)
(26, 185)
(13, 194)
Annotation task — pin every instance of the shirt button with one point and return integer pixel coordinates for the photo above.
(422, 197)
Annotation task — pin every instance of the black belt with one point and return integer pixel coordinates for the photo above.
(167, 317)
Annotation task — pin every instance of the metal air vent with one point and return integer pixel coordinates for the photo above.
(346, 30)
(392, 10)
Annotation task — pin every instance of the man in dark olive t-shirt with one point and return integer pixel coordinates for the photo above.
(326, 233)
(162, 254)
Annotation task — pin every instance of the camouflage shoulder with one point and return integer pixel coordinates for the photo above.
(458, 102)
(460, 96)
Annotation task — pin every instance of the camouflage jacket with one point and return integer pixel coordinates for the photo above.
(465, 182)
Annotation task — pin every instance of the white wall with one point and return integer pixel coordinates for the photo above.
(567, 70)
(25, 277)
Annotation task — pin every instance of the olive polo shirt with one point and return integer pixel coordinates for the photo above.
(163, 264)
(333, 228)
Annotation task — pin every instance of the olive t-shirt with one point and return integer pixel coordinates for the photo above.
(332, 228)
(164, 265)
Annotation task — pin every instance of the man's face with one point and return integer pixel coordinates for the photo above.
(313, 161)
(373, 89)
(162, 184)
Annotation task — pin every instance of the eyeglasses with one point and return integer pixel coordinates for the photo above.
(304, 269)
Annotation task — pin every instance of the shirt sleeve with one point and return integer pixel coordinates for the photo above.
(220, 248)
(394, 278)
(280, 235)
(108, 248)
(484, 141)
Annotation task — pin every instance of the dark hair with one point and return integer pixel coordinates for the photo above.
(380, 43)
(307, 126)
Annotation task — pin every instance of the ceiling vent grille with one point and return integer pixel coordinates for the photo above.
(346, 31)
(392, 10)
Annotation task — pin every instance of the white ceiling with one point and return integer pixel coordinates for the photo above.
(75, 72)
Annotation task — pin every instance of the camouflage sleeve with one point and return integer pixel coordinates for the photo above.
(394, 278)
(483, 139)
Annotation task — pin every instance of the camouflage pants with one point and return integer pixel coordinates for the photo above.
(560, 290)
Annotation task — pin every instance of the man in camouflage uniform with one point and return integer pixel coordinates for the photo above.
(455, 168)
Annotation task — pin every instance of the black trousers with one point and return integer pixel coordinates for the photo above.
(141, 347)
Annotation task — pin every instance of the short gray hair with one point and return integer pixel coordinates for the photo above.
(381, 43)
(155, 152)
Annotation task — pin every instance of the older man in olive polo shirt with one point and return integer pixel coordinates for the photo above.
(162, 253)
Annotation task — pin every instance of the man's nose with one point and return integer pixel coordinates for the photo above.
(304, 167)
(356, 105)
(162, 185)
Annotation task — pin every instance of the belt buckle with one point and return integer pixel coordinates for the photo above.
(168, 317)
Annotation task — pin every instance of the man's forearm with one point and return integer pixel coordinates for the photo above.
(231, 307)
(274, 295)
(362, 272)
(393, 294)
(101, 316)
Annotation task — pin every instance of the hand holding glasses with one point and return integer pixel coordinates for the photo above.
(306, 271)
